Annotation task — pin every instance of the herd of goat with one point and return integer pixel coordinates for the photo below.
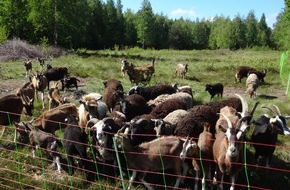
(153, 128)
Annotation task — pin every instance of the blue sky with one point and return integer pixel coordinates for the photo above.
(192, 9)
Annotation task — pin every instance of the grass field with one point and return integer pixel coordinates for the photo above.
(92, 67)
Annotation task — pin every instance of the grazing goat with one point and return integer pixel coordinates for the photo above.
(75, 143)
(39, 82)
(215, 89)
(53, 120)
(55, 74)
(44, 140)
(137, 75)
(113, 94)
(227, 148)
(69, 81)
(146, 157)
(252, 84)
(28, 67)
(151, 92)
(181, 70)
(265, 134)
(91, 106)
(54, 97)
(242, 72)
(203, 151)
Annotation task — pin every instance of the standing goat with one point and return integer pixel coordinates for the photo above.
(181, 70)
(28, 67)
(39, 82)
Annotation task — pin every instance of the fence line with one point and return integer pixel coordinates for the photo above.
(123, 180)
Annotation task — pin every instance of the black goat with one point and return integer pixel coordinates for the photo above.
(265, 134)
(55, 74)
(214, 89)
(69, 81)
(75, 143)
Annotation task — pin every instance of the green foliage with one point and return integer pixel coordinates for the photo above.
(3, 34)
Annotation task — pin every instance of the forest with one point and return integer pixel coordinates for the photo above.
(103, 24)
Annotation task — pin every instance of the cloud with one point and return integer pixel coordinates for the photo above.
(183, 13)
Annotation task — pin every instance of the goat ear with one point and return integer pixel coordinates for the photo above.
(193, 144)
(222, 128)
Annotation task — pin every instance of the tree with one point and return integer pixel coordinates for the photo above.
(130, 32)
(237, 34)
(220, 32)
(161, 30)
(145, 25)
(200, 35)
(251, 30)
(180, 34)
(111, 24)
(264, 32)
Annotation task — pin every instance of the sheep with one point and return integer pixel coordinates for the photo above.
(265, 134)
(53, 120)
(91, 106)
(146, 157)
(181, 70)
(186, 89)
(260, 74)
(39, 82)
(55, 74)
(252, 84)
(47, 141)
(242, 72)
(151, 92)
(164, 108)
(138, 75)
(134, 105)
(76, 142)
(28, 67)
(113, 93)
(54, 97)
(68, 81)
(184, 97)
(215, 89)
(174, 117)
(202, 150)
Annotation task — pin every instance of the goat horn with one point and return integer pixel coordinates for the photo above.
(278, 110)
(274, 111)
(254, 109)
(228, 120)
(245, 107)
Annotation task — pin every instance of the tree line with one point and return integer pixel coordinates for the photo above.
(97, 24)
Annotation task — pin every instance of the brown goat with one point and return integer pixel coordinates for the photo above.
(54, 97)
(140, 74)
(203, 150)
(39, 82)
(146, 156)
(242, 72)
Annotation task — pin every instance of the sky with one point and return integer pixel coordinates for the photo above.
(208, 9)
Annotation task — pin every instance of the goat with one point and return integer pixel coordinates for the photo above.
(41, 61)
(163, 128)
(151, 92)
(242, 72)
(227, 148)
(28, 67)
(138, 75)
(39, 82)
(215, 89)
(44, 140)
(54, 97)
(146, 156)
(252, 84)
(202, 150)
(55, 74)
(76, 143)
(91, 106)
(181, 70)
(53, 120)
(260, 74)
(69, 81)
(265, 134)
(11, 107)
